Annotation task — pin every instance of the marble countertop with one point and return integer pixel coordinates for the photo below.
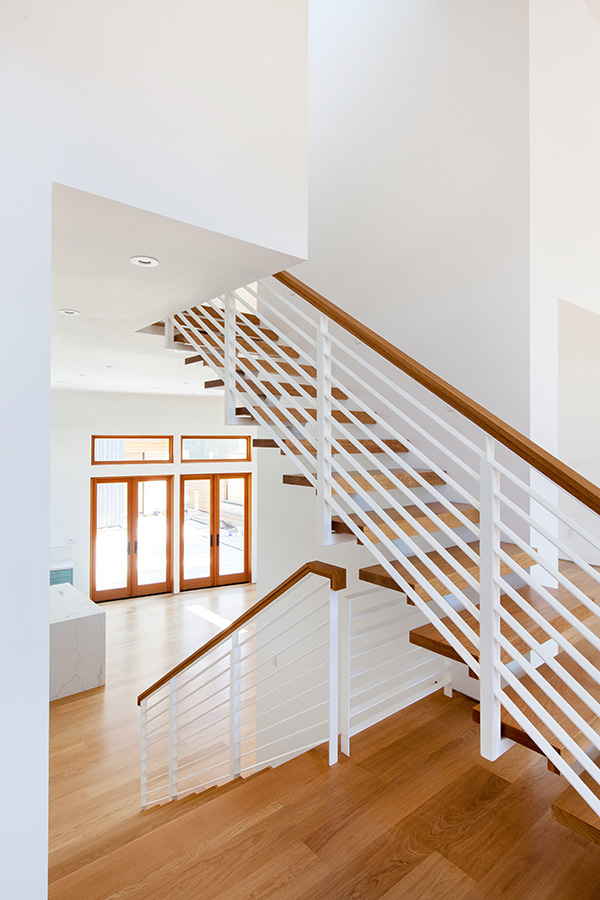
(66, 602)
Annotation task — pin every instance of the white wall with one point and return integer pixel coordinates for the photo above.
(182, 110)
(195, 111)
(565, 229)
(418, 208)
(76, 415)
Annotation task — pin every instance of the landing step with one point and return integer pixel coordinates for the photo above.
(378, 575)
(350, 446)
(383, 481)
(428, 637)
(512, 730)
(571, 810)
(402, 527)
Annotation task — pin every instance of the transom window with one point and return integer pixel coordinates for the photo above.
(215, 448)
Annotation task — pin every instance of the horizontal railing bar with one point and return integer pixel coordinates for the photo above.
(550, 630)
(421, 604)
(452, 431)
(393, 604)
(407, 540)
(410, 652)
(548, 505)
(566, 477)
(553, 539)
(380, 643)
(474, 529)
(435, 675)
(282, 668)
(303, 599)
(337, 579)
(552, 694)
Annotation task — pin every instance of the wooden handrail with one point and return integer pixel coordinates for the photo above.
(337, 579)
(558, 472)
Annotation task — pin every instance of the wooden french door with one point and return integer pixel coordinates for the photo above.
(214, 530)
(131, 541)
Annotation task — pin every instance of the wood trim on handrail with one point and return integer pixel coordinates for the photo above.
(558, 472)
(335, 574)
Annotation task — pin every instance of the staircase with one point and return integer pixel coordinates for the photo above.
(460, 512)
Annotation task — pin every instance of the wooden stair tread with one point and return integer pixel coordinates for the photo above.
(340, 527)
(285, 415)
(402, 476)
(378, 575)
(428, 637)
(570, 809)
(277, 389)
(512, 730)
(350, 446)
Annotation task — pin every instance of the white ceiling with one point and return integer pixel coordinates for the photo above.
(93, 240)
(594, 6)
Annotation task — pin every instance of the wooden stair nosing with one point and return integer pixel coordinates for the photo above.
(571, 810)
(350, 446)
(378, 575)
(406, 480)
(277, 390)
(438, 509)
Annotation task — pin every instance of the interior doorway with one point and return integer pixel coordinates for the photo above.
(214, 530)
(131, 536)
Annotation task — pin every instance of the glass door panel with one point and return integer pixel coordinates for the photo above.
(111, 540)
(151, 545)
(232, 526)
(197, 537)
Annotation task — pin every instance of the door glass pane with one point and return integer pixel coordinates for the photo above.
(231, 526)
(196, 528)
(111, 536)
(152, 532)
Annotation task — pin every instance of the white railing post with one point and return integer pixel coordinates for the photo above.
(333, 677)
(324, 534)
(492, 745)
(235, 707)
(173, 738)
(345, 618)
(144, 754)
(229, 314)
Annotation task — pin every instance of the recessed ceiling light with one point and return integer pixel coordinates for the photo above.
(146, 262)
(186, 382)
(61, 382)
(110, 367)
(83, 374)
(69, 312)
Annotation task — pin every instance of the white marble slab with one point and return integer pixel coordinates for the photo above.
(77, 642)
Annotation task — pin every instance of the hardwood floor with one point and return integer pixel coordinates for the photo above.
(415, 813)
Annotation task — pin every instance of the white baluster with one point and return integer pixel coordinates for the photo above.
(144, 754)
(492, 745)
(230, 359)
(235, 707)
(324, 534)
(333, 677)
(345, 618)
(173, 738)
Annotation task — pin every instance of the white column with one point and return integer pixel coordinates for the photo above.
(333, 676)
(345, 618)
(230, 359)
(173, 738)
(492, 745)
(144, 754)
(235, 707)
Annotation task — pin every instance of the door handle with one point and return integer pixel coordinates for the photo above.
(211, 540)
(135, 547)
(217, 540)
(128, 548)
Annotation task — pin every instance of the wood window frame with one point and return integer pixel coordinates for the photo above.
(132, 462)
(132, 588)
(216, 437)
(214, 579)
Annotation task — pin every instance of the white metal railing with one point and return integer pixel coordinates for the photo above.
(259, 696)
(539, 662)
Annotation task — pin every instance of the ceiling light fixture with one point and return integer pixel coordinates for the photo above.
(146, 262)
(110, 367)
(69, 312)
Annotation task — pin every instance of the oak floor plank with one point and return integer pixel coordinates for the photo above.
(434, 879)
